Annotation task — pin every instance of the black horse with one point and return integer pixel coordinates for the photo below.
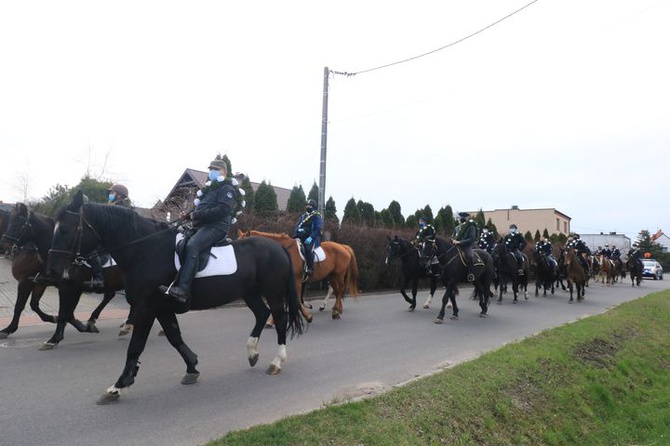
(546, 274)
(144, 250)
(413, 268)
(454, 270)
(634, 267)
(29, 235)
(506, 267)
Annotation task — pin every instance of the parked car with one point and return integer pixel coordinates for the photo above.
(652, 269)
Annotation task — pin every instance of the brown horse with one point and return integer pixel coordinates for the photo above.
(576, 274)
(339, 268)
(607, 273)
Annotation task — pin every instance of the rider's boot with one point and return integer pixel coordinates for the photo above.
(471, 274)
(182, 291)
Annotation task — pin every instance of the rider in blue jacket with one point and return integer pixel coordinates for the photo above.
(308, 230)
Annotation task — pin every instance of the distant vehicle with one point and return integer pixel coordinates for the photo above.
(652, 269)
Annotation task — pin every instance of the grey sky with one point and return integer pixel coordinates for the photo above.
(562, 105)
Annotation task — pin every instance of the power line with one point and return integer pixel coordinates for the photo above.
(344, 73)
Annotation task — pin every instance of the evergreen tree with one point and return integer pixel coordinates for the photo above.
(412, 222)
(396, 213)
(492, 228)
(537, 236)
(449, 223)
(427, 213)
(647, 245)
(314, 193)
(265, 200)
(367, 212)
(352, 214)
(296, 200)
(528, 237)
(545, 233)
(330, 210)
(249, 193)
(387, 219)
(56, 197)
(480, 219)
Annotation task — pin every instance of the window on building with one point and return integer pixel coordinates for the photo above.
(558, 224)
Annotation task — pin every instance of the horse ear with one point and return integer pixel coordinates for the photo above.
(22, 209)
(77, 201)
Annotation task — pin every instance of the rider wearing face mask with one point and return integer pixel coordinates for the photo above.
(308, 230)
(464, 236)
(117, 196)
(515, 242)
(213, 214)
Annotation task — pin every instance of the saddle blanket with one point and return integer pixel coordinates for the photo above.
(319, 253)
(222, 261)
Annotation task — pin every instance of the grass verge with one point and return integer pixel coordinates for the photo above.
(604, 380)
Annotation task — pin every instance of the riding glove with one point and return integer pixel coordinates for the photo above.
(308, 240)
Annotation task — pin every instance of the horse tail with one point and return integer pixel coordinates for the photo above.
(352, 273)
(295, 322)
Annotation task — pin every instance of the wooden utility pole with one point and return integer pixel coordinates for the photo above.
(324, 139)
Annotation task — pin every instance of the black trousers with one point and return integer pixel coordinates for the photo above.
(204, 237)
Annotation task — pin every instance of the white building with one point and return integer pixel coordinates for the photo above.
(593, 241)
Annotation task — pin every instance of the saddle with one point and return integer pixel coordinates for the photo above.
(203, 258)
(476, 258)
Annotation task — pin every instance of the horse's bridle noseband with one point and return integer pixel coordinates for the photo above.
(27, 226)
(76, 252)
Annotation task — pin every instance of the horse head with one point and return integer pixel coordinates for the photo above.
(19, 230)
(73, 236)
(396, 247)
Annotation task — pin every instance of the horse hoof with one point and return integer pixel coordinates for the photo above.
(454, 318)
(426, 306)
(161, 333)
(3, 335)
(125, 329)
(190, 378)
(273, 370)
(48, 346)
(253, 360)
(336, 315)
(483, 315)
(90, 326)
(438, 320)
(322, 307)
(515, 301)
(108, 398)
(499, 302)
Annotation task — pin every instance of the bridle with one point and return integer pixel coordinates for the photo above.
(75, 247)
(26, 226)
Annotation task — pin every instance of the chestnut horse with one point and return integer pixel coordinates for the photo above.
(575, 274)
(339, 267)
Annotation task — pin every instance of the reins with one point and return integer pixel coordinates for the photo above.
(79, 258)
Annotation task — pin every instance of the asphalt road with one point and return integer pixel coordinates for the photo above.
(48, 397)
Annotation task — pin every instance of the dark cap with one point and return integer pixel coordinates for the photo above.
(463, 214)
(218, 164)
(311, 202)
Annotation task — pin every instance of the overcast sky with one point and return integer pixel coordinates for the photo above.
(565, 104)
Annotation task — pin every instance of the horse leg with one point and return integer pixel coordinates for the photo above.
(339, 287)
(144, 320)
(170, 325)
(68, 298)
(107, 296)
(403, 287)
(276, 307)
(440, 316)
(328, 296)
(22, 294)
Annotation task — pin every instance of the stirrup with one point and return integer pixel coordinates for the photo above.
(471, 277)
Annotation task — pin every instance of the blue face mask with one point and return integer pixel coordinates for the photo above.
(214, 174)
(111, 197)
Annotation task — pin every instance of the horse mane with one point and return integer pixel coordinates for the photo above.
(126, 219)
(273, 235)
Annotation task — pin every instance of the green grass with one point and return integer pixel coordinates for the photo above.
(604, 380)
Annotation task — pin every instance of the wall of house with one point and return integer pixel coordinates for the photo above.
(529, 220)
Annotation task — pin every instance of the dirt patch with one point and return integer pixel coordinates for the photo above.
(597, 352)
